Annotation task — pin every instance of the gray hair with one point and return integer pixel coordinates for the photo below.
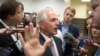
(42, 15)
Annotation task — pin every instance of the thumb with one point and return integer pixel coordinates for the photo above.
(47, 43)
(96, 45)
(21, 39)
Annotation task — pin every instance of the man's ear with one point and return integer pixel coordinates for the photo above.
(40, 25)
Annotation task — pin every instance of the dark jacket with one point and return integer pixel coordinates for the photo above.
(9, 44)
(75, 32)
(72, 29)
(58, 44)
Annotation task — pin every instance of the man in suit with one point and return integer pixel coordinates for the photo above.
(67, 27)
(11, 14)
(48, 22)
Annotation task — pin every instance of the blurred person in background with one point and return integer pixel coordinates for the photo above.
(67, 27)
(92, 47)
(34, 15)
(11, 14)
(26, 19)
(86, 31)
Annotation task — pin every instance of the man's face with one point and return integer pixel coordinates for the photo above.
(96, 13)
(50, 25)
(17, 18)
(95, 28)
(27, 17)
(68, 16)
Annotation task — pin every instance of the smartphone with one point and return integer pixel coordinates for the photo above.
(17, 30)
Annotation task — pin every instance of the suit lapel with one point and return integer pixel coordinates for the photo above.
(1, 25)
(7, 40)
(58, 45)
(48, 51)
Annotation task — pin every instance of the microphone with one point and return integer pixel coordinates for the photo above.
(69, 37)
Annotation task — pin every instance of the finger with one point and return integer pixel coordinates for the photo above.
(27, 37)
(37, 31)
(31, 27)
(47, 43)
(96, 45)
(5, 30)
(21, 38)
(91, 41)
(10, 31)
(87, 42)
(35, 36)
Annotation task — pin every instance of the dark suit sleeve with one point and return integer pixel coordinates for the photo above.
(74, 30)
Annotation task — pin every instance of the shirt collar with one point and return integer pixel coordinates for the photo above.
(45, 37)
(65, 25)
(5, 25)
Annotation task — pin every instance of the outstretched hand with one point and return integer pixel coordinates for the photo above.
(89, 47)
(91, 43)
(30, 42)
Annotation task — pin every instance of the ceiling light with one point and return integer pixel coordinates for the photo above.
(85, 0)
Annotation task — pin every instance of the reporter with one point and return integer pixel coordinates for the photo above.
(11, 14)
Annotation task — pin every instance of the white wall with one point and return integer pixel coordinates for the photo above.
(37, 5)
(81, 8)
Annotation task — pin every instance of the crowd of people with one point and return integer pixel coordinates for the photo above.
(41, 34)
